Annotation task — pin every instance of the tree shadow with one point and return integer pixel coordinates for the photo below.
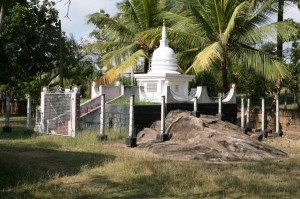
(19, 165)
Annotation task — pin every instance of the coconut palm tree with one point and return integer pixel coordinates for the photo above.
(119, 37)
(221, 32)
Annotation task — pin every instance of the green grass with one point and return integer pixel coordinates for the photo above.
(125, 100)
(44, 166)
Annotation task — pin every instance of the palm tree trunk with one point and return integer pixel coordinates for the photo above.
(224, 66)
(280, 19)
(279, 46)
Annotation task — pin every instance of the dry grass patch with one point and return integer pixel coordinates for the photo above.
(59, 167)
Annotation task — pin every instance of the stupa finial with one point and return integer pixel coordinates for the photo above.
(164, 34)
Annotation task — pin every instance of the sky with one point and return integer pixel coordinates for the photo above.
(79, 9)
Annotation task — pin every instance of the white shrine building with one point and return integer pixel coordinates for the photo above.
(163, 79)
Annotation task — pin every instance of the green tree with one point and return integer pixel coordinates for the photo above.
(120, 39)
(293, 83)
(5, 5)
(28, 45)
(220, 33)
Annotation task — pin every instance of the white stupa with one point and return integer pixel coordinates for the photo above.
(163, 79)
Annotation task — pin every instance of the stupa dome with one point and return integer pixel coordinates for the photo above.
(164, 58)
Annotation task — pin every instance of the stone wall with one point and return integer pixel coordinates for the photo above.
(289, 120)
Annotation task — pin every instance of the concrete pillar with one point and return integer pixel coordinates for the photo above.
(162, 136)
(263, 131)
(130, 141)
(43, 123)
(102, 135)
(242, 116)
(131, 116)
(195, 112)
(7, 127)
(162, 115)
(75, 112)
(28, 127)
(248, 116)
(277, 130)
(219, 115)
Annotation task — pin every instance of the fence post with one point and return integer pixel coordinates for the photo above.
(28, 119)
(242, 116)
(195, 112)
(74, 111)
(43, 122)
(131, 139)
(263, 132)
(102, 135)
(219, 115)
(248, 128)
(277, 131)
(7, 127)
(162, 136)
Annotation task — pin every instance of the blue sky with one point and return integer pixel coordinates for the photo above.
(79, 10)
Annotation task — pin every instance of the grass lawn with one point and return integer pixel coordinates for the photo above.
(44, 166)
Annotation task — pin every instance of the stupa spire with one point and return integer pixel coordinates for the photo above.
(164, 40)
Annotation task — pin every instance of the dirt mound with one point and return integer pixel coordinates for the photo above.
(204, 138)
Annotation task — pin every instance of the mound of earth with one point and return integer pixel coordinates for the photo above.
(204, 138)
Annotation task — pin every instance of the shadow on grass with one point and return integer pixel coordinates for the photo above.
(19, 165)
(18, 133)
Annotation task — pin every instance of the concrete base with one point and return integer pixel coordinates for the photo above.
(162, 137)
(220, 116)
(130, 141)
(248, 129)
(101, 137)
(6, 129)
(278, 134)
(243, 130)
(196, 113)
(264, 134)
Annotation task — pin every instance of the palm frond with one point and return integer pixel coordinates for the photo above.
(261, 62)
(113, 73)
(119, 55)
(241, 8)
(270, 31)
(106, 23)
(207, 57)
